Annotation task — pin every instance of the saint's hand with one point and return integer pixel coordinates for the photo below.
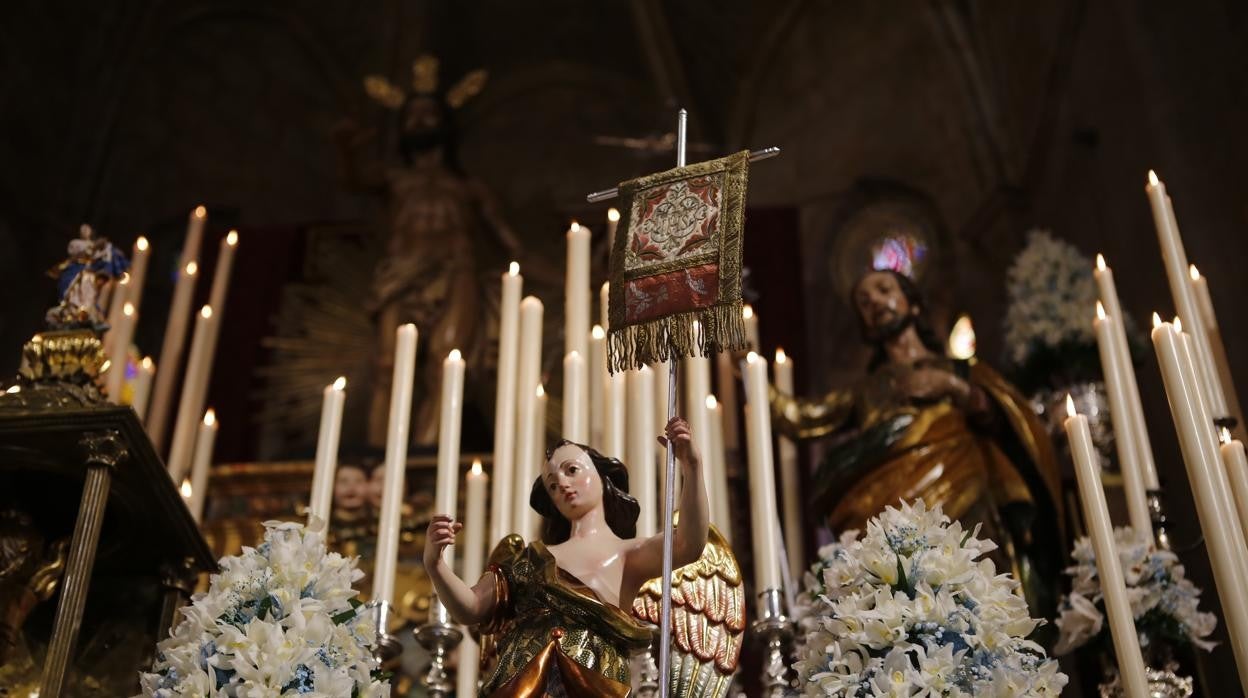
(931, 384)
(441, 533)
(682, 439)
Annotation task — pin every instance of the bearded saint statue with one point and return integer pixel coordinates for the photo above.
(920, 425)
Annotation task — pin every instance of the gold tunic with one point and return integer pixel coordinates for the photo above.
(549, 626)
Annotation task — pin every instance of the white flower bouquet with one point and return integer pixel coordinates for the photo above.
(1164, 602)
(912, 609)
(1048, 325)
(280, 619)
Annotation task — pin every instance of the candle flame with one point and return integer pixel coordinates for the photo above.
(128, 309)
(573, 354)
(205, 312)
(1100, 261)
(1070, 406)
(192, 268)
(513, 269)
(1225, 435)
(541, 390)
(597, 332)
(1193, 272)
(1152, 178)
(1178, 324)
(147, 363)
(231, 238)
(747, 311)
(711, 402)
(476, 466)
(574, 227)
(125, 279)
(106, 365)
(751, 357)
(454, 355)
(14, 389)
(1156, 321)
(340, 383)
(962, 339)
(781, 357)
(186, 488)
(613, 215)
(201, 212)
(1100, 311)
(210, 417)
(141, 244)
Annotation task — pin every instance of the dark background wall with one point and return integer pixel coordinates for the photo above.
(998, 116)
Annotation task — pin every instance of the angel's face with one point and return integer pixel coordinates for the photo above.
(572, 481)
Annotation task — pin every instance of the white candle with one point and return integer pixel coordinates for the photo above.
(529, 378)
(1222, 366)
(615, 430)
(604, 305)
(225, 266)
(717, 470)
(194, 236)
(204, 444)
(120, 352)
(321, 499)
(697, 387)
(790, 477)
(598, 378)
(1237, 472)
(391, 519)
(1175, 259)
(117, 300)
(1108, 567)
(662, 372)
(643, 478)
(138, 272)
(1142, 446)
(194, 392)
(474, 557)
(171, 353)
(577, 293)
(505, 403)
(450, 422)
(574, 397)
(142, 387)
(1114, 365)
(613, 223)
(726, 392)
(1224, 542)
(751, 327)
(763, 519)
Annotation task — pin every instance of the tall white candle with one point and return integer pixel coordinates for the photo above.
(529, 379)
(643, 478)
(194, 392)
(140, 257)
(143, 387)
(204, 443)
(662, 374)
(1142, 446)
(613, 223)
(1223, 542)
(751, 327)
(696, 371)
(717, 470)
(1114, 366)
(726, 392)
(1222, 365)
(475, 484)
(528, 464)
(1108, 567)
(574, 396)
(615, 430)
(505, 403)
(604, 305)
(1237, 472)
(1175, 259)
(119, 357)
(171, 353)
(446, 499)
(118, 299)
(224, 268)
(577, 293)
(790, 478)
(321, 499)
(597, 386)
(763, 519)
(391, 519)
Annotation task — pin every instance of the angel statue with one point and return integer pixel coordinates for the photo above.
(443, 225)
(557, 610)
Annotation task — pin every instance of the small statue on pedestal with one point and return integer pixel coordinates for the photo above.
(85, 282)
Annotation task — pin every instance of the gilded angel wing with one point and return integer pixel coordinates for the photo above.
(383, 91)
(708, 620)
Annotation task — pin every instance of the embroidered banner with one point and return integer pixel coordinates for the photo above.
(676, 266)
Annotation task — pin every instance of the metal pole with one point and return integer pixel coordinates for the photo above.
(613, 192)
(669, 488)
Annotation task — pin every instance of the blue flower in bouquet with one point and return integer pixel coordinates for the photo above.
(914, 609)
(281, 619)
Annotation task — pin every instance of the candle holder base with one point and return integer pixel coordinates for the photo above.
(388, 646)
(775, 629)
(438, 636)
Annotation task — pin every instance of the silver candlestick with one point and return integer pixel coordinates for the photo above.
(775, 629)
(645, 669)
(439, 636)
(388, 646)
(1158, 515)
